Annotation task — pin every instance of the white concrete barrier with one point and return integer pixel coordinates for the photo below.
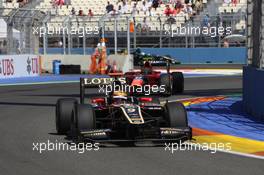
(123, 62)
(83, 60)
(12, 66)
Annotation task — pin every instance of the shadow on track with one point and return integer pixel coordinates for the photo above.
(66, 95)
(27, 104)
(130, 144)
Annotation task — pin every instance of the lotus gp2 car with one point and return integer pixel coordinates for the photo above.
(118, 117)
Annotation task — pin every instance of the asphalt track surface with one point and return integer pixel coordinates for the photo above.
(27, 116)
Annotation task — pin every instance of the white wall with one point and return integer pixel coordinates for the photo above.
(19, 66)
(124, 62)
(83, 60)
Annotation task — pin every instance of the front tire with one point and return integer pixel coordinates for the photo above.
(64, 108)
(176, 115)
(85, 117)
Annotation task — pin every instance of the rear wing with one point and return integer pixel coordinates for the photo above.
(163, 61)
(86, 83)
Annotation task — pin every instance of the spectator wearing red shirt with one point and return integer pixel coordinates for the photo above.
(234, 2)
(60, 3)
(168, 11)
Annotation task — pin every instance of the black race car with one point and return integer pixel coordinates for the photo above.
(157, 60)
(118, 117)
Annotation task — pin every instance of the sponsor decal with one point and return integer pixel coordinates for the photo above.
(32, 65)
(102, 81)
(19, 66)
(28, 66)
(7, 67)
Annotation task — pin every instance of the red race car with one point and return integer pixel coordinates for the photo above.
(168, 83)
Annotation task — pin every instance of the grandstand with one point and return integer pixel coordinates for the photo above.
(150, 23)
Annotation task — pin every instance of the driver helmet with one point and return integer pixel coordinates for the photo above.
(119, 96)
(147, 68)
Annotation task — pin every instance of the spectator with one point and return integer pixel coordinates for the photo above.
(178, 7)
(134, 10)
(119, 10)
(124, 8)
(155, 4)
(109, 7)
(90, 13)
(73, 12)
(150, 13)
(189, 10)
(144, 7)
(59, 3)
(80, 12)
(168, 11)
(234, 2)
(206, 21)
(145, 26)
(198, 6)
(149, 3)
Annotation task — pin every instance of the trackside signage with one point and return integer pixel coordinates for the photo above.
(12, 66)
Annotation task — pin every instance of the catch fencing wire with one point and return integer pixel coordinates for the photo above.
(256, 30)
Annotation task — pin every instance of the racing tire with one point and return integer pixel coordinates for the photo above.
(176, 115)
(165, 80)
(178, 82)
(84, 117)
(64, 109)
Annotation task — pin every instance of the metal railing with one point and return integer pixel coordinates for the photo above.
(17, 30)
(255, 37)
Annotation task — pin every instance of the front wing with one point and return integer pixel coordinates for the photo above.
(168, 135)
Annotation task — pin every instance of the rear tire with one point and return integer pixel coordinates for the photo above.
(178, 82)
(165, 80)
(85, 117)
(64, 108)
(176, 114)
